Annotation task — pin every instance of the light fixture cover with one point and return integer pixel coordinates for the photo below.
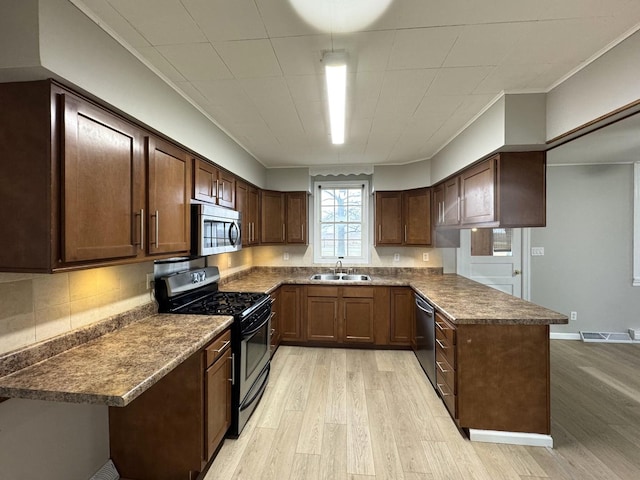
(335, 64)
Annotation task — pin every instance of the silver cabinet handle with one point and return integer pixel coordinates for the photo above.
(439, 364)
(283, 235)
(302, 231)
(224, 345)
(440, 326)
(458, 209)
(379, 233)
(157, 229)
(439, 385)
(441, 345)
(405, 233)
(217, 195)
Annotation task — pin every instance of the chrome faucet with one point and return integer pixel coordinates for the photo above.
(338, 264)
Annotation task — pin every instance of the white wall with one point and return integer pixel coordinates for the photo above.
(402, 177)
(587, 265)
(483, 136)
(603, 86)
(289, 179)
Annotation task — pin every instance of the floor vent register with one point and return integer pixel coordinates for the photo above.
(607, 337)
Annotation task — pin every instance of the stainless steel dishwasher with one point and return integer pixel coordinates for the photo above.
(425, 338)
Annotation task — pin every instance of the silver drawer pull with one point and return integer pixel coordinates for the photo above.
(439, 385)
(441, 326)
(225, 345)
(441, 345)
(439, 364)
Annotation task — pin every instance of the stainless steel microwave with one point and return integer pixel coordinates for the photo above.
(214, 230)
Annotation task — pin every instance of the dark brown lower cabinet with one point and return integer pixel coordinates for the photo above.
(494, 377)
(402, 316)
(171, 431)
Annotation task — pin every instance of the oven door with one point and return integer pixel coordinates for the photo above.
(254, 350)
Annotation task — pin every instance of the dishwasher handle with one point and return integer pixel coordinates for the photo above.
(424, 306)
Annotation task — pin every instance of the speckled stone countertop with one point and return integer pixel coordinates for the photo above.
(117, 367)
(459, 299)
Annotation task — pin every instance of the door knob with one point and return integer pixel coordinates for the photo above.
(517, 272)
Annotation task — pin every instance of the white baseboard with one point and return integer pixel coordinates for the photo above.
(564, 336)
(511, 438)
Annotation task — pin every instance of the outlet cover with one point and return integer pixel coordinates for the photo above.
(150, 280)
(286, 255)
(537, 251)
(573, 316)
(396, 257)
(425, 257)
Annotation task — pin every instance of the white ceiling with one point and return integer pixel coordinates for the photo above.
(418, 74)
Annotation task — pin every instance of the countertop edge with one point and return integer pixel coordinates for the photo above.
(97, 398)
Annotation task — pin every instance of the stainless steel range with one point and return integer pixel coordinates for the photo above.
(196, 292)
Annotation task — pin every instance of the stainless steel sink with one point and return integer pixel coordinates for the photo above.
(325, 276)
(341, 276)
(356, 277)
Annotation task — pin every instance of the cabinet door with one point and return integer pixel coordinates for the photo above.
(402, 316)
(272, 208)
(290, 321)
(205, 181)
(103, 184)
(169, 170)
(477, 186)
(417, 216)
(451, 206)
(388, 215)
(218, 405)
(296, 209)
(357, 320)
(226, 189)
(322, 319)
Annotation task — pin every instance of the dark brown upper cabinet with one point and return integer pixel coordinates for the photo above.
(213, 185)
(403, 217)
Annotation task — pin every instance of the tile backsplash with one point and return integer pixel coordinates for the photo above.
(35, 307)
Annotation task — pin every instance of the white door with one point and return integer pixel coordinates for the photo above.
(501, 271)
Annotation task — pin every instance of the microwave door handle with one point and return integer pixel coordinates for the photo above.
(232, 227)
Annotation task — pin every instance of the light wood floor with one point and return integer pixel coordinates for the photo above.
(369, 415)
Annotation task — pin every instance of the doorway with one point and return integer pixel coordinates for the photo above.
(493, 257)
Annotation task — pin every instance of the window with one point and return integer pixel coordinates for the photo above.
(341, 212)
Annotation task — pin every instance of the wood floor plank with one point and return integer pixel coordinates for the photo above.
(333, 461)
(305, 466)
(299, 385)
(336, 411)
(310, 438)
(252, 462)
(385, 451)
(359, 449)
(279, 462)
(440, 460)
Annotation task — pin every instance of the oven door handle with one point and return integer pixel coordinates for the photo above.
(262, 386)
(248, 333)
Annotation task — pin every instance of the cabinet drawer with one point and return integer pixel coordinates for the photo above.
(357, 292)
(445, 373)
(446, 348)
(446, 329)
(217, 347)
(450, 400)
(322, 291)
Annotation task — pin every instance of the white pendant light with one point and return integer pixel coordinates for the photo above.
(335, 65)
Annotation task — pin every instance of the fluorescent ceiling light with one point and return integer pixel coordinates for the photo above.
(335, 65)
